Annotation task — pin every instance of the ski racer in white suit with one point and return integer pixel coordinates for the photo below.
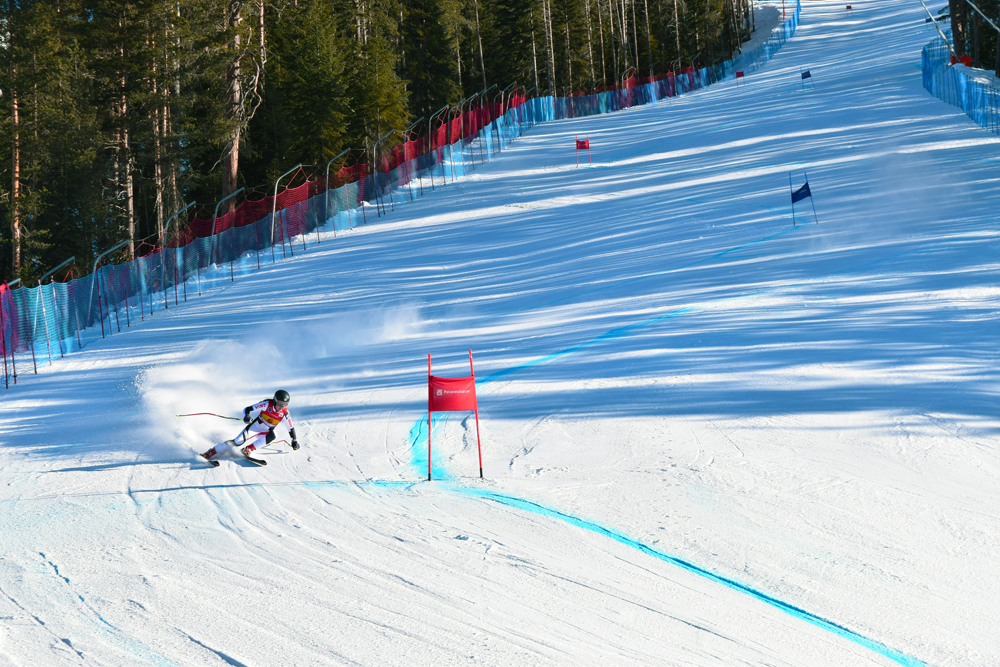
(261, 419)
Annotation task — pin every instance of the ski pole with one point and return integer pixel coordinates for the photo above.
(210, 414)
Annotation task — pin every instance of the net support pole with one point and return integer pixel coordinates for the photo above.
(45, 321)
(215, 220)
(326, 195)
(274, 209)
(31, 338)
(97, 280)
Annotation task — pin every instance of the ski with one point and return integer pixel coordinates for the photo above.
(260, 462)
(214, 464)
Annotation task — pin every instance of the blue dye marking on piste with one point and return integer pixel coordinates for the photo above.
(418, 447)
(696, 262)
(418, 436)
(790, 609)
(418, 432)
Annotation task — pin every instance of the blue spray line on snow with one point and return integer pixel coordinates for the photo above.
(418, 435)
(534, 508)
(790, 609)
(418, 432)
(696, 262)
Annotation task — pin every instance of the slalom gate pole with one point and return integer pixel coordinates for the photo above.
(791, 192)
(3, 341)
(479, 443)
(429, 413)
(811, 200)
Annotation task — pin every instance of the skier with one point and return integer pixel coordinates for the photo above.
(261, 420)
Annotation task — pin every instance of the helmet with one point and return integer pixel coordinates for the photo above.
(281, 398)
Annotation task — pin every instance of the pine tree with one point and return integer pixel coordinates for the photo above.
(428, 67)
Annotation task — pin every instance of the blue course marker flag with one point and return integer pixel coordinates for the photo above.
(806, 75)
(801, 193)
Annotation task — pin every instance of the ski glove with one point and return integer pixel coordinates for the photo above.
(295, 444)
(246, 415)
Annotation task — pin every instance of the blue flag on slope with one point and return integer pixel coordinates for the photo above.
(801, 193)
(806, 75)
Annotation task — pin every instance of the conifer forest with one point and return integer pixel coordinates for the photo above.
(119, 113)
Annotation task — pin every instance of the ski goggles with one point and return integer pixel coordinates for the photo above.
(281, 404)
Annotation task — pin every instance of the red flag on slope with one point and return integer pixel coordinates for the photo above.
(452, 395)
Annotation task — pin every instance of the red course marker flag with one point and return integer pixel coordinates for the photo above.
(583, 145)
(452, 395)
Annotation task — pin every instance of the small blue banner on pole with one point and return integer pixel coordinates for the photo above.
(801, 194)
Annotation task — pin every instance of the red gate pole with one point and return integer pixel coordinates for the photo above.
(3, 340)
(13, 357)
(55, 316)
(479, 443)
(76, 318)
(576, 138)
(428, 416)
(589, 154)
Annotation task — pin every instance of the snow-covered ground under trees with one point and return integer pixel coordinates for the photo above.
(710, 437)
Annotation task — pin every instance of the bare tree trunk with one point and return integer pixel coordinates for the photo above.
(129, 187)
(547, 26)
(590, 41)
(234, 105)
(458, 55)
(635, 35)
(569, 54)
(996, 61)
(158, 122)
(975, 40)
(125, 153)
(15, 189)
(600, 28)
(482, 64)
(624, 26)
(677, 30)
(611, 34)
(534, 55)
(649, 45)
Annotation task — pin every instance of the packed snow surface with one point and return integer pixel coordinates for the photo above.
(709, 436)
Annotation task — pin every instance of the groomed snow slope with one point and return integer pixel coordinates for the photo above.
(808, 412)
